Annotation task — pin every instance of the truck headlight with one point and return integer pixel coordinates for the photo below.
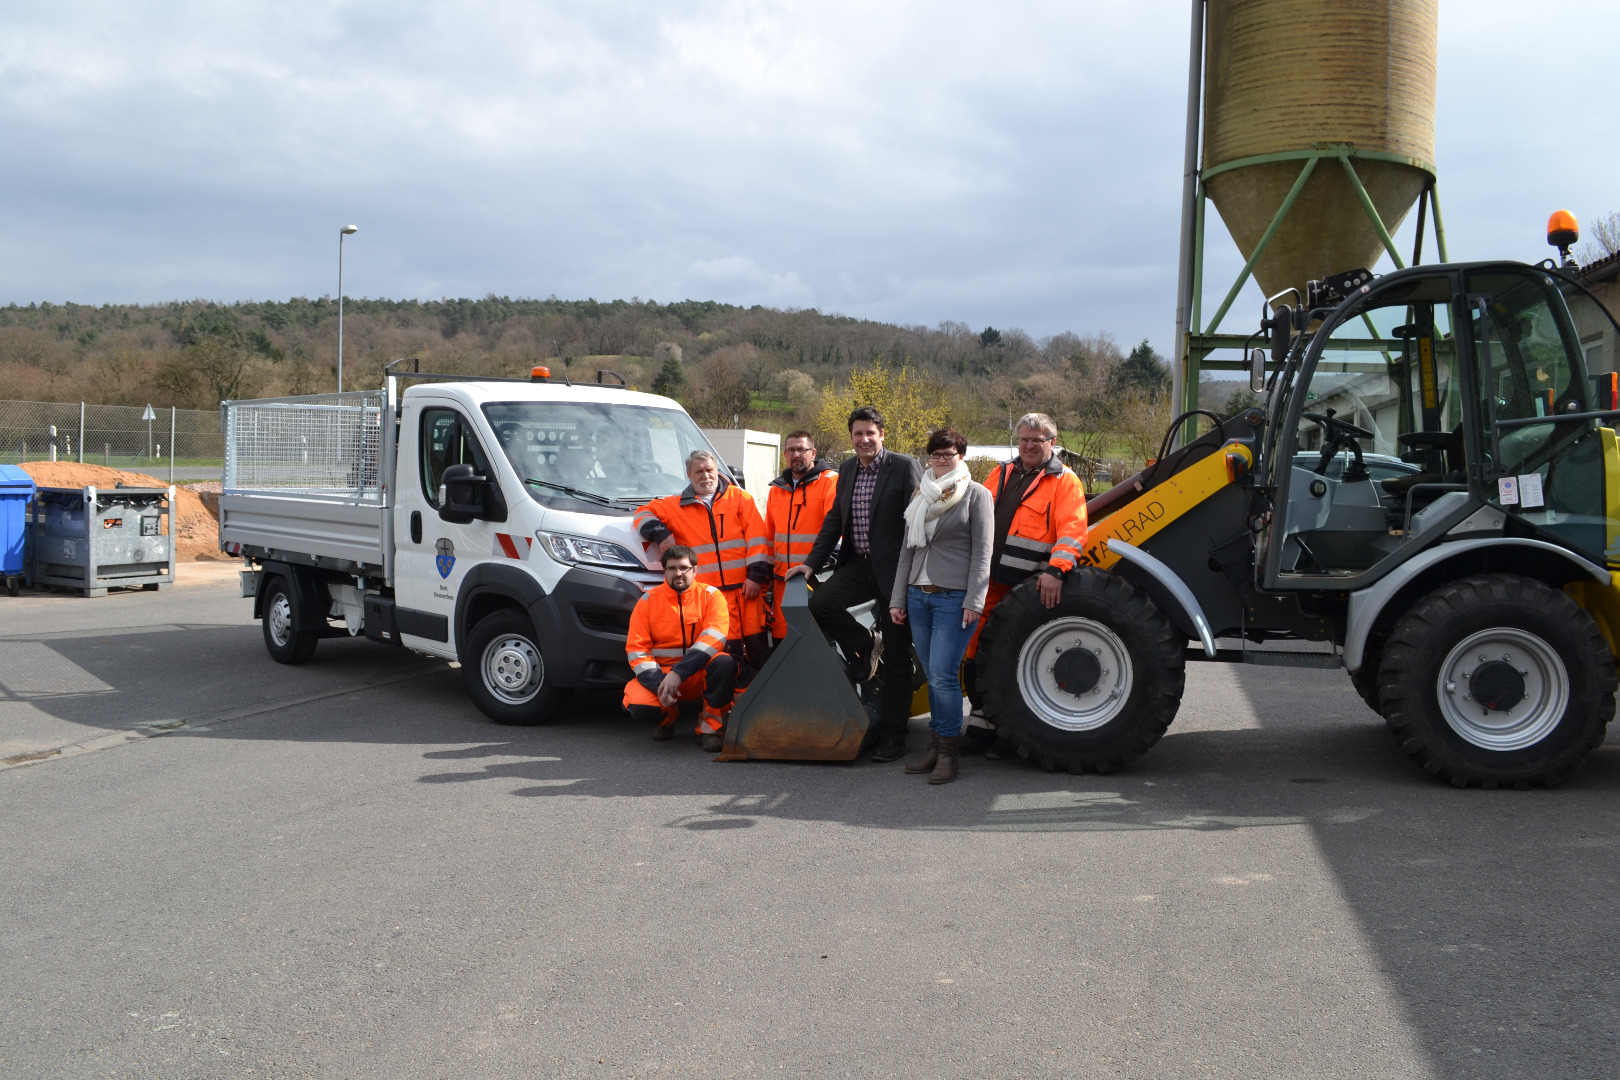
(582, 550)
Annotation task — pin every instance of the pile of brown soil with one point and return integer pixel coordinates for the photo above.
(197, 529)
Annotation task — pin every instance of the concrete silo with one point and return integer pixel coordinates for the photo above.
(1317, 140)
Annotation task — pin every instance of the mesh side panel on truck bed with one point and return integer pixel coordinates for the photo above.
(322, 446)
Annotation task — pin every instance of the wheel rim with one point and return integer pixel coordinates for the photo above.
(513, 670)
(1503, 689)
(279, 620)
(1075, 674)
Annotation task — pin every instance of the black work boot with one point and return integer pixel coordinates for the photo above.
(889, 750)
(927, 761)
(976, 740)
(1001, 750)
(945, 769)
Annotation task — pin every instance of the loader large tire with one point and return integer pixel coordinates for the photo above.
(1365, 678)
(1088, 685)
(1497, 679)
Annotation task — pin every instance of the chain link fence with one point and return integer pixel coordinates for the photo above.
(117, 435)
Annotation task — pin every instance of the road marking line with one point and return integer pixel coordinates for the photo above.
(119, 631)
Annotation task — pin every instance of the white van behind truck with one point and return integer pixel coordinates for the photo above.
(486, 521)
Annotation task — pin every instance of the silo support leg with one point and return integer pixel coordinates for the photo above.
(1265, 242)
(1372, 213)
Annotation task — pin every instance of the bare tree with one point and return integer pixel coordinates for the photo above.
(1603, 238)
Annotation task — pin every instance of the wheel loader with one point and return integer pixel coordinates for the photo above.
(1469, 595)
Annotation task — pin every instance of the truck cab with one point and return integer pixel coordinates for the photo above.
(482, 521)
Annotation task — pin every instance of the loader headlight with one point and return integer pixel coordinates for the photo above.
(583, 551)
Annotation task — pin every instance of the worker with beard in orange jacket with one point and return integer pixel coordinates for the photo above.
(677, 652)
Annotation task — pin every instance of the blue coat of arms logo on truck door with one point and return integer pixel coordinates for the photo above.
(446, 559)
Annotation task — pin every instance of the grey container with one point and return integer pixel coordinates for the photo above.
(94, 540)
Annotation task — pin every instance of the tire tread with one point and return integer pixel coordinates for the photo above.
(1404, 684)
(1165, 669)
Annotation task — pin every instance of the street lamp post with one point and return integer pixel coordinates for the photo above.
(345, 231)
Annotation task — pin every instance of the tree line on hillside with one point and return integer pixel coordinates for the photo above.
(762, 367)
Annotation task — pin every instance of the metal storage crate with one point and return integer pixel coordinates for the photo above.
(93, 540)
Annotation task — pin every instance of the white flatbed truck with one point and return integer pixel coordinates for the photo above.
(484, 521)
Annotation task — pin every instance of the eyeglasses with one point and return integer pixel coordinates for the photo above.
(800, 450)
(942, 455)
(1033, 440)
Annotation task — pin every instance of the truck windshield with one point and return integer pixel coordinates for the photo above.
(626, 453)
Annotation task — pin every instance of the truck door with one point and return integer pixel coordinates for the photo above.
(433, 555)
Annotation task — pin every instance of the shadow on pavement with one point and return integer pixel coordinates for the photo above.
(1493, 914)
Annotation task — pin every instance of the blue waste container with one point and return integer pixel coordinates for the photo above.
(16, 490)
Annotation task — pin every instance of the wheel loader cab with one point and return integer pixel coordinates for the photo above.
(1449, 368)
(1545, 458)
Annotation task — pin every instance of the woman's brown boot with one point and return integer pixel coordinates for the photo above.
(927, 761)
(945, 768)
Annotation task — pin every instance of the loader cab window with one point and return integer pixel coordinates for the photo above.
(447, 439)
(1529, 356)
(1379, 436)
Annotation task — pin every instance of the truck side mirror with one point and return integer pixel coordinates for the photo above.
(1257, 370)
(461, 495)
(1282, 333)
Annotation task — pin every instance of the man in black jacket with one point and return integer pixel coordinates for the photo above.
(868, 515)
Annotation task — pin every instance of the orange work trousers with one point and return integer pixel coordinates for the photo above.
(991, 599)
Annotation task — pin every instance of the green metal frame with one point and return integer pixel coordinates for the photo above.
(1201, 340)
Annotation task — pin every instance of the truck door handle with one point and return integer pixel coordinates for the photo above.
(416, 526)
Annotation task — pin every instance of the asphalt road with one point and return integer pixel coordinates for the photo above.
(343, 870)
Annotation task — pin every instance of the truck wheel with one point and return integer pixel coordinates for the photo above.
(1497, 679)
(1089, 684)
(1365, 678)
(286, 645)
(504, 671)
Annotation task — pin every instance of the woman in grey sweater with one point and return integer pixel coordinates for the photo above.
(940, 585)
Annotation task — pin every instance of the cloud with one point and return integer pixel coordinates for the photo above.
(909, 161)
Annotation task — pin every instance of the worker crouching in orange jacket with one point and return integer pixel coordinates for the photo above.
(720, 523)
(796, 504)
(1040, 529)
(677, 652)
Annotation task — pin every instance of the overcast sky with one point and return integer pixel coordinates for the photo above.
(1015, 164)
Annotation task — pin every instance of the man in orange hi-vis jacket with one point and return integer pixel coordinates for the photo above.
(1040, 529)
(677, 652)
(720, 522)
(796, 504)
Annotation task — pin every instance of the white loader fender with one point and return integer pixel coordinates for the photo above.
(1172, 584)
(1367, 604)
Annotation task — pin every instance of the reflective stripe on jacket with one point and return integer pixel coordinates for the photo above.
(728, 536)
(1049, 526)
(794, 512)
(671, 630)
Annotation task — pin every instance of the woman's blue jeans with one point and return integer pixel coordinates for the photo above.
(941, 639)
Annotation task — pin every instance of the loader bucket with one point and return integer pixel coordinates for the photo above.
(800, 707)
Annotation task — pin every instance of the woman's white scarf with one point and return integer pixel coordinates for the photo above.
(933, 499)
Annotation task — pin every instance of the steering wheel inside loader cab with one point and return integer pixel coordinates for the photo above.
(1340, 435)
